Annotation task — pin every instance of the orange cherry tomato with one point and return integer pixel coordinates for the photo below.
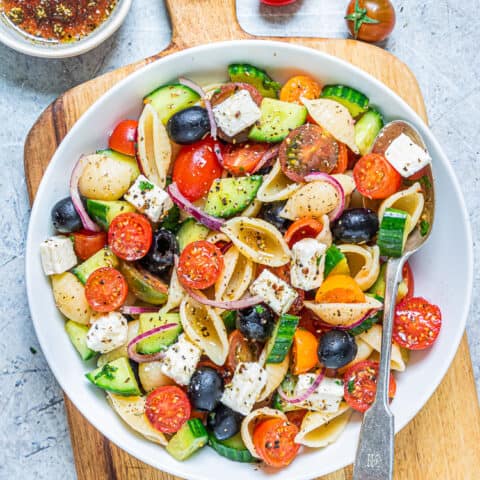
(339, 289)
(274, 442)
(306, 227)
(124, 137)
(106, 289)
(242, 159)
(87, 243)
(304, 349)
(240, 350)
(342, 162)
(300, 86)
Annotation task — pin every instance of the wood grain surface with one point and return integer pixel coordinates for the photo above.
(443, 441)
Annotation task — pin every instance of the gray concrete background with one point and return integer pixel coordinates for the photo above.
(438, 39)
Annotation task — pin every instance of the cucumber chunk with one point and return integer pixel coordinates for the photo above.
(367, 129)
(103, 211)
(159, 341)
(190, 438)
(335, 262)
(117, 377)
(78, 336)
(103, 258)
(355, 101)
(233, 448)
(393, 232)
(170, 99)
(243, 72)
(144, 285)
(191, 231)
(282, 338)
(229, 196)
(277, 119)
(288, 386)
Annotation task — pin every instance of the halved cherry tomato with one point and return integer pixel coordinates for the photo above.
(106, 289)
(199, 265)
(130, 236)
(296, 417)
(419, 174)
(300, 86)
(307, 149)
(274, 441)
(375, 178)
(342, 163)
(309, 321)
(339, 289)
(124, 137)
(304, 351)
(408, 278)
(229, 89)
(195, 169)
(167, 408)
(360, 385)
(242, 159)
(306, 227)
(87, 243)
(240, 350)
(417, 323)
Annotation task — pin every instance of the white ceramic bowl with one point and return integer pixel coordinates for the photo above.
(440, 278)
(16, 39)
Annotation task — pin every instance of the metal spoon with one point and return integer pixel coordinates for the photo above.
(374, 459)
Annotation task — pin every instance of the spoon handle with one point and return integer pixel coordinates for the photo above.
(374, 460)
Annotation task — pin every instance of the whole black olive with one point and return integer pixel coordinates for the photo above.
(336, 348)
(162, 252)
(270, 213)
(224, 422)
(64, 216)
(357, 225)
(205, 389)
(189, 125)
(256, 323)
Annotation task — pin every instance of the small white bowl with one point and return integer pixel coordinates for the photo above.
(16, 39)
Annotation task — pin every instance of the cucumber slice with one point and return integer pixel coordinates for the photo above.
(288, 386)
(190, 438)
(117, 377)
(233, 448)
(103, 258)
(170, 99)
(277, 119)
(335, 262)
(393, 232)
(191, 231)
(120, 157)
(229, 318)
(103, 211)
(355, 101)
(144, 285)
(282, 338)
(243, 72)
(78, 336)
(161, 340)
(228, 196)
(366, 130)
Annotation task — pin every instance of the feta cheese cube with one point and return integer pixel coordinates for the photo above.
(107, 332)
(180, 360)
(276, 293)
(57, 255)
(236, 113)
(406, 157)
(308, 263)
(247, 383)
(149, 199)
(325, 398)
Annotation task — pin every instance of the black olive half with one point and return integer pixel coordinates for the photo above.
(336, 348)
(256, 323)
(357, 225)
(189, 125)
(224, 422)
(205, 389)
(270, 212)
(161, 255)
(64, 216)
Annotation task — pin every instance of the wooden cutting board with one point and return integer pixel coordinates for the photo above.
(443, 441)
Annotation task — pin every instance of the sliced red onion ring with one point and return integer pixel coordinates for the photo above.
(139, 358)
(137, 310)
(87, 222)
(210, 222)
(307, 393)
(229, 305)
(325, 177)
(267, 159)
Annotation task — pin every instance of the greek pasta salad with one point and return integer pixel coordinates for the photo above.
(223, 263)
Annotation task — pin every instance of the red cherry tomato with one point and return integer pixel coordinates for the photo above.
(195, 168)
(106, 289)
(130, 236)
(124, 137)
(86, 243)
(417, 323)
(240, 350)
(242, 159)
(305, 227)
(408, 278)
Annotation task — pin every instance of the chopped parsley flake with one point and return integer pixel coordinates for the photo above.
(425, 181)
(424, 227)
(33, 350)
(350, 386)
(259, 309)
(107, 372)
(145, 186)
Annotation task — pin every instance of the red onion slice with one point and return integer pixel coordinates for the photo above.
(267, 159)
(87, 222)
(347, 327)
(139, 358)
(228, 305)
(325, 177)
(307, 393)
(136, 310)
(210, 222)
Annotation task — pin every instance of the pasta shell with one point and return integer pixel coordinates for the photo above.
(154, 148)
(346, 181)
(151, 376)
(410, 200)
(205, 329)
(320, 429)
(258, 240)
(133, 329)
(236, 276)
(276, 186)
(176, 293)
(252, 420)
(253, 209)
(132, 411)
(364, 350)
(364, 263)
(343, 313)
(214, 237)
(275, 374)
(325, 236)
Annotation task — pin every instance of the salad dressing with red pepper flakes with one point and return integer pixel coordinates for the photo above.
(57, 20)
